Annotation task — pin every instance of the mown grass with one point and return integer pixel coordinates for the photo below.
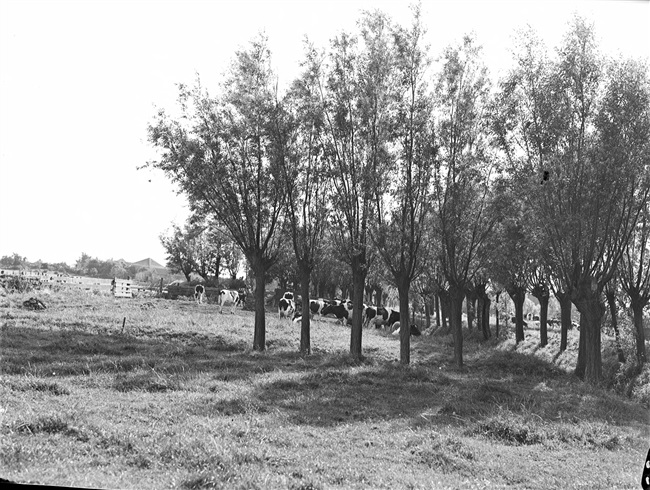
(178, 399)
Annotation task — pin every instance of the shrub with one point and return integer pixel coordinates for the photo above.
(21, 284)
(510, 427)
(509, 431)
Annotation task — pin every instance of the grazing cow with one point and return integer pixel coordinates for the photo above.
(242, 297)
(413, 330)
(228, 297)
(340, 311)
(384, 316)
(286, 307)
(369, 313)
(315, 308)
(199, 293)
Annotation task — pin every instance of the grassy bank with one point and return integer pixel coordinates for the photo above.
(148, 393)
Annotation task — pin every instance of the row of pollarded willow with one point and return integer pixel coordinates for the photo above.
(576, 137)
(408, 165)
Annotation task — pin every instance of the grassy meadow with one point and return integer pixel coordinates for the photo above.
(147, 393)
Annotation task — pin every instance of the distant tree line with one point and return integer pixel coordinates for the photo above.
(16, 261)
(431, 177)
(203, 248)
(90, 267)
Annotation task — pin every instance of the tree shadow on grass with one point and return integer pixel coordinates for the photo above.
(43, 352)
(426, 395)
(325, 389)
(64, 352)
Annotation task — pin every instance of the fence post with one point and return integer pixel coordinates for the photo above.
(160, 288)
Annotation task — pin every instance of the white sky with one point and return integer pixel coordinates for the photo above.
(80, 81)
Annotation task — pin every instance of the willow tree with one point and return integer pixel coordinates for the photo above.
(222, 153)
(179, 246)
(357, 97)
(634, 274)
(625, 125)
(304, 173)
(527, 126)
(511, 262)
(404, 203)
(568, 114)
(462, 170)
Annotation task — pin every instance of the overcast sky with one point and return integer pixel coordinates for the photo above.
(80, 81)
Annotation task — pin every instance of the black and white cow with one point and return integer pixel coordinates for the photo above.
(382, 316)
(340, 311)
(242, 297)
(369, 313)
(228, 297)
(286, 307)
(316, 307)
(413, 330)
(199, 293)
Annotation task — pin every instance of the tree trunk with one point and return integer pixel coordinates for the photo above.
(404, 325)
(378, 293)
(436, 306)
(496, 313)
(480, 311)
(427, 314)
(588, 302)
(259, 336)
(483, 311)
(444, 310)
(358, 282)
(541, 292)
(610, 295)
(217, 269)
(565, 317)
(637, 310)
(518, 295)
(470, 302)
(456, 295)
(305, 333)
(485, 325)
(580, 362)
(543, 320)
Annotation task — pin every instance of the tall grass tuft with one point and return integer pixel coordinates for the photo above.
(149, 381)
(50, 424)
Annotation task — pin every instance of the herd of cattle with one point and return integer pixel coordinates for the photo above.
(342, 310)
(287, 308)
